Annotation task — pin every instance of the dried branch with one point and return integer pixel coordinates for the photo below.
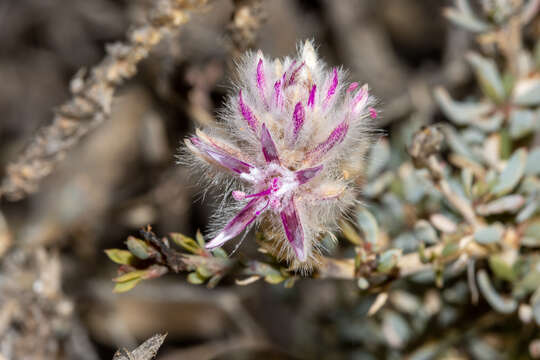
(406, 265)
(246, 21)
(92, 97)
(214, 268)
(146, 351)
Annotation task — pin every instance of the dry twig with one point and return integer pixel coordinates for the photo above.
(146, 351)
(245, 23)
(93, 94)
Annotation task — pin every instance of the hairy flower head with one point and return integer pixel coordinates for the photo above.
(289, 148)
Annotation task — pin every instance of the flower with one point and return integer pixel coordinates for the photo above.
(291, 143)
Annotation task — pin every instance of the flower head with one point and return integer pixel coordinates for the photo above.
(293, 140)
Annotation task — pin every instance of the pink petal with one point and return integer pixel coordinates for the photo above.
(335, 138)
(219, 155)
(352, 87)
(332, 88)
(246, 112)
(293, 75)
(242, 220)
(299, 116)
(360, 99)
(293, 228)
(269, 149)
(311, 100)
(304, 175)
(261, 82)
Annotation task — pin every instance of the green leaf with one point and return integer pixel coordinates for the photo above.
(378, 184)
(424, 232)
(489, 124)
(349, 232)
(137, 274)
(379, 158)
(138, 248)
(501, 268)
(200, 239)
(489, 234)
(203, 272)
(529, 210)
(506, 144)
(388, 260)
(458, 145)
(289, 283)
(497, 302)
(185, 242)
(461, 113)
(465, 20)
(274, 278)
(488, 76)
(126, 285)
(122, 257)
(527, 92)
(220, 253)
(511, 174)
(367, 222)
(533, 162)
(450, 249)
(523, 122)
(467, 179)
(531, 234)
(195, 278)
(509, 203)
(214, 280)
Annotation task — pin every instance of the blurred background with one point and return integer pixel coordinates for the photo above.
(123, 176)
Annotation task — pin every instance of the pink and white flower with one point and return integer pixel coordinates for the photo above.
(293, 140)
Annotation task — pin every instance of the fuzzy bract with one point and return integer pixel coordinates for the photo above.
(289, 149)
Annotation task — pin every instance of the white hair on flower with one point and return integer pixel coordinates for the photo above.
(293, 139)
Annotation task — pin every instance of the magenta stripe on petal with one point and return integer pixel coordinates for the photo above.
(269, 149)
(246, 112)
(299, 115)
(261, 82)
(333, 86)
(304, 175)
(220, 156)
(293, 228)
(277, 93)
(372, 113)
(360, 99)
(336, 137)
(292, 78)
(245, 217)
(311, 100)
(259, 194)
(352, 87)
